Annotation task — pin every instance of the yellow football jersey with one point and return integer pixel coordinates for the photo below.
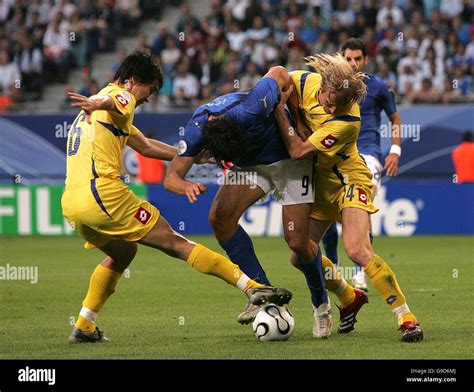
(334, 135)
(342, 179)
(95, 150)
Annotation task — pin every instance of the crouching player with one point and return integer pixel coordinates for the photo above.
(240, 127)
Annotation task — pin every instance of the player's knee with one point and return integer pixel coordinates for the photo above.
(358, 253)
(221, 221)
(298, 244)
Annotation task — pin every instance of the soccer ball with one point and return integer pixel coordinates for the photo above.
(273, 322)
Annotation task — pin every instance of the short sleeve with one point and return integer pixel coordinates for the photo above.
(124, 101)
(263, 97)
(335, 134)
(191, 143)
(387, 98)
(133, 130)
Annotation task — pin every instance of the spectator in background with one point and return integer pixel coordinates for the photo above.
(10, 77)
(30, 61)
(389, 10)
(159, 43)
(56, 50)
(463, 159)
(250, 78)
(426, 94)
(90, 87)
(388, 76)
(170, 56)
(185, 84)
(205, 69)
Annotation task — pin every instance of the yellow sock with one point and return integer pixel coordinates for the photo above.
(385, 281)
(101, 287)
(336, 284)
(209, 262)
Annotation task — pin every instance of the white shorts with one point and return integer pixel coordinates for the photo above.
(375, 168)
(290, 181)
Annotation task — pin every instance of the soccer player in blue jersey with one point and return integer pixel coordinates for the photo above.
(240, 128)
(379, 97)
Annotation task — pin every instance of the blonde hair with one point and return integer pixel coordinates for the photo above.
(339, 78)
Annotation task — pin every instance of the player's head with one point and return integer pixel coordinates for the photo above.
(355, 52)
(224, 139)
(341, 85)
(140, 73)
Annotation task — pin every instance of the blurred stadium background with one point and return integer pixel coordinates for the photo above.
(423, 49)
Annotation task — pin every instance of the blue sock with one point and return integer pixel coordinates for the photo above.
(330, 244)
(313, 272)
(240, 250)
(371, 236)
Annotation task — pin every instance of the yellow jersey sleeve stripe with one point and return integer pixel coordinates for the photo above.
(111, 128)
(346, 118)
(302, 83)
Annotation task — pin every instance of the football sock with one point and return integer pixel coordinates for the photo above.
(240, 250)
(330, 240)
(101, 287)
(313, 272)
(212, 263)
(336, 284)
(385, 282)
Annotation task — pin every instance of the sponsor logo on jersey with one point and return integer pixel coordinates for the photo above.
(329, 141)
(143, 215)
(362, 196)
(123, 98)
(182, 147)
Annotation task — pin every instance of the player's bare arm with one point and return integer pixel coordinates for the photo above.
(151, 148)
(296, 146)
(175, 182)
(90, 104)
(391, 161)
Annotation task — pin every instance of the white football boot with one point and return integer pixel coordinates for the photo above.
(359, 281)
(322, 325)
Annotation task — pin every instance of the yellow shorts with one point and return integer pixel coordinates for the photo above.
(335, 191)
(105, 210)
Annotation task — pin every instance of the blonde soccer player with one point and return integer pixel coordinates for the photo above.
(327, 101)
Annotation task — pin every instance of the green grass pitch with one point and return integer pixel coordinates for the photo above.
(165, 309)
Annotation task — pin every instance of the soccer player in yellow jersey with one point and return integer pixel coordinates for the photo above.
(327, 101)
(107, 214)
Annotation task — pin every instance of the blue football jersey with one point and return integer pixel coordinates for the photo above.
(379, 97)
(252, 110)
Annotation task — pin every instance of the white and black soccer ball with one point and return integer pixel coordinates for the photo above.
(273, 322)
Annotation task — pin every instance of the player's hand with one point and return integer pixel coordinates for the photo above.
(86, 104)
(285, 95)
(303, 130)
(194, 189)
(204, 157)
(391, 164)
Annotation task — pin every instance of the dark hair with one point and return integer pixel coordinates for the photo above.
(467, 136)
(224, 139)
(142, 65)
(354, 44)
